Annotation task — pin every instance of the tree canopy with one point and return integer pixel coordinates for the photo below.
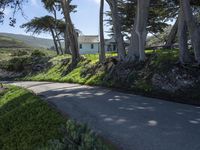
(131, 18)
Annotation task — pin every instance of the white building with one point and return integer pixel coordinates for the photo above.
(110, 45)
(89, 44)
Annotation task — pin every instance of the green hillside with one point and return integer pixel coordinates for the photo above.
(31, 41)
(9, 42)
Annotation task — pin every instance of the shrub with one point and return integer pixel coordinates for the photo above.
(38, 53)
(15, 64)
(20, 53)
(78, 137)
(18, 64)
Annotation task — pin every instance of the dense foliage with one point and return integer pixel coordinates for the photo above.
(161, 12)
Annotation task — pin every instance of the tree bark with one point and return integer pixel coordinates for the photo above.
(102, 55)
(54, 40)
(117, 28)
(139, 32)
(60, 45)
(71, 32)
(182, 37)
(193, 28)
(172, 35)
(133, 50)
(58, 41)
(67, 42)
(56, 32)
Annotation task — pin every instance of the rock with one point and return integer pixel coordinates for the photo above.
(173, 80)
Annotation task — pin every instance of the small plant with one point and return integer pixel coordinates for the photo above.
(143, 86)
(80, 137)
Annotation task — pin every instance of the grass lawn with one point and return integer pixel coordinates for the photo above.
(28, 123)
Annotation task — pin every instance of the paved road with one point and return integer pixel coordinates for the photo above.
(131, 122)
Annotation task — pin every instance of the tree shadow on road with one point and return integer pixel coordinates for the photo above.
(126, 117)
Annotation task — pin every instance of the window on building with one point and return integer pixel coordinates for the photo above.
(92, 46)
(81, 46)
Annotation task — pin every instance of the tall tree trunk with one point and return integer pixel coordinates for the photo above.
(194, 29)
(56, 32)
(58, 42)
(117, 28)
(67, 43)
(139, 33)
(102, 55)
(73, 38)
(182, 37)
(54, 40)
(172, 35)
(133, 50)
(60, 45)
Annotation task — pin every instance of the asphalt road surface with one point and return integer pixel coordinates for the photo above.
(129, 121)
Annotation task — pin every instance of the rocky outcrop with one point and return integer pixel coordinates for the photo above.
(174, 80)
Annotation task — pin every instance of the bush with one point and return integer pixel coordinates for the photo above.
(20, 53)
(78, 137)
(38, 53)
(18, 64)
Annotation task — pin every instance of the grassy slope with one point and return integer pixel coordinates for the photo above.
(8, 42)
(27, 123)
(56, 73)
(30, 40)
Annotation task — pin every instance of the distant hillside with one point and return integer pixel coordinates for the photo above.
(9, 42)
(25, 40)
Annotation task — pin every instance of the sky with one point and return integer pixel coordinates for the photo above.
(86, 19)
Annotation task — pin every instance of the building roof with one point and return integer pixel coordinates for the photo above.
(88, 39)
(112, 40)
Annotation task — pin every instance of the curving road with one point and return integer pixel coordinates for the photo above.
(132, 122)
